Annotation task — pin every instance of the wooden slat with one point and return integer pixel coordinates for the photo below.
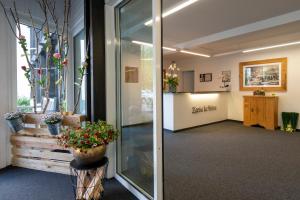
(43, 165)
(68, 120)
(73, 120)
(35, 132)
(35, 142)
(43, 154)
(31, 118)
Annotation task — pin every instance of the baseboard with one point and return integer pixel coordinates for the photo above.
(139, 124)
(184, 129)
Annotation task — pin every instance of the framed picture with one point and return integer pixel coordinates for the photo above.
(131, 74)
(269, 75)
(202, 77)
(206, 77)
(226, 76)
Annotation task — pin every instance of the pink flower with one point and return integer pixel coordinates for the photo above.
(22, 37)
(57, 55)
(24, 68)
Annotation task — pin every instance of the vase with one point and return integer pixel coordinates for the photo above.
(172, 89)
(54, 129)
(89, 156)
(15, 125)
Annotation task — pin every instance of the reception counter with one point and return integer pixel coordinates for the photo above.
(186, 110)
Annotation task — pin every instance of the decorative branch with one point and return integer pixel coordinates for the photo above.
(82, 73)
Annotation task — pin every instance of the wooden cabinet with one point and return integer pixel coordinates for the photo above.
(261, 110)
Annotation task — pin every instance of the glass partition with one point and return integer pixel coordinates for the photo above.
(135, 94)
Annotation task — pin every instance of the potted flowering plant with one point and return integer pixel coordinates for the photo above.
(172, 79)
(88, 143)
(53, 121)
(14, 121)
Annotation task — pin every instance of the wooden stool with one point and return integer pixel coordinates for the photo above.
(87, 180)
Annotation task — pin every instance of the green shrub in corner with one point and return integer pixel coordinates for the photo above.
(289, 121)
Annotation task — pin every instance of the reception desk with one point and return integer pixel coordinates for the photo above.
(186, 110)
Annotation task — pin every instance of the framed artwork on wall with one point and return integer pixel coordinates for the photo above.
(206, 77)
(131, 74)
(269, 75)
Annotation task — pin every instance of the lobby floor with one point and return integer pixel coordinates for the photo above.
(19, 183)
(227, 161)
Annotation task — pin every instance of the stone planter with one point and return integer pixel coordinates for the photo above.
(89, 156)
(15, 124)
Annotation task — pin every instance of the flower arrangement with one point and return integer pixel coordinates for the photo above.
(52, 118)
(172, 79)
(13, 115)
(90, 136)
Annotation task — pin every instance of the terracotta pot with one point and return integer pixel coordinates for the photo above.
(89, 156)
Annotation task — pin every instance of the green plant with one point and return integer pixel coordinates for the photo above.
(13, 115)
(289, 121)
(52, 118)
(23, 102)
(171, 76)
(90, 136)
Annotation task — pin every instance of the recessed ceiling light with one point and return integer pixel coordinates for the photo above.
(173, 10)
(169, 49)
(271, 47)
(150, 45)
(196, 54)
(142, 43)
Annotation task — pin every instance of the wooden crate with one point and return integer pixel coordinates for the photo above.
(35, 148)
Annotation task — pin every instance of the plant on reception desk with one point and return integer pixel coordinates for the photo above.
(88, 143)
(171, 78)
(14, 121)
(53, 121)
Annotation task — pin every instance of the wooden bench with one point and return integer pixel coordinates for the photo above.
(35, 148)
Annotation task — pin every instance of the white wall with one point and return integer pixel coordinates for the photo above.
(8, 85)
(288, 101)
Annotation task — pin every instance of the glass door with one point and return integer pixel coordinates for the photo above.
(137, 96)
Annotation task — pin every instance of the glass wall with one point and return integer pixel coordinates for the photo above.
(135, 94)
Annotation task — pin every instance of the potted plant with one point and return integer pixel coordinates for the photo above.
(53, 121)
(88, 143)
(172, 79)
(14, 121)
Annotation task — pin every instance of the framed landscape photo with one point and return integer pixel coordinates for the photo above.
(269, 75)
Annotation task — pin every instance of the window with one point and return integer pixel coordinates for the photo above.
(79, 58)
(24, 93)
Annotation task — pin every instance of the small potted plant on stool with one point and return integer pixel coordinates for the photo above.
(14, 121)
(53, 121)
(88, 143)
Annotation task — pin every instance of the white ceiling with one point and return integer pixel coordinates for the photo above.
(207, 19)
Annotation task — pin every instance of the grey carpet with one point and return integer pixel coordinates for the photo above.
(19, 183)
(227, 161)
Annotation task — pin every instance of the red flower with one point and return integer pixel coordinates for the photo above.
(24, 68)
(40, 71)
(86, 135)
(65, 62)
